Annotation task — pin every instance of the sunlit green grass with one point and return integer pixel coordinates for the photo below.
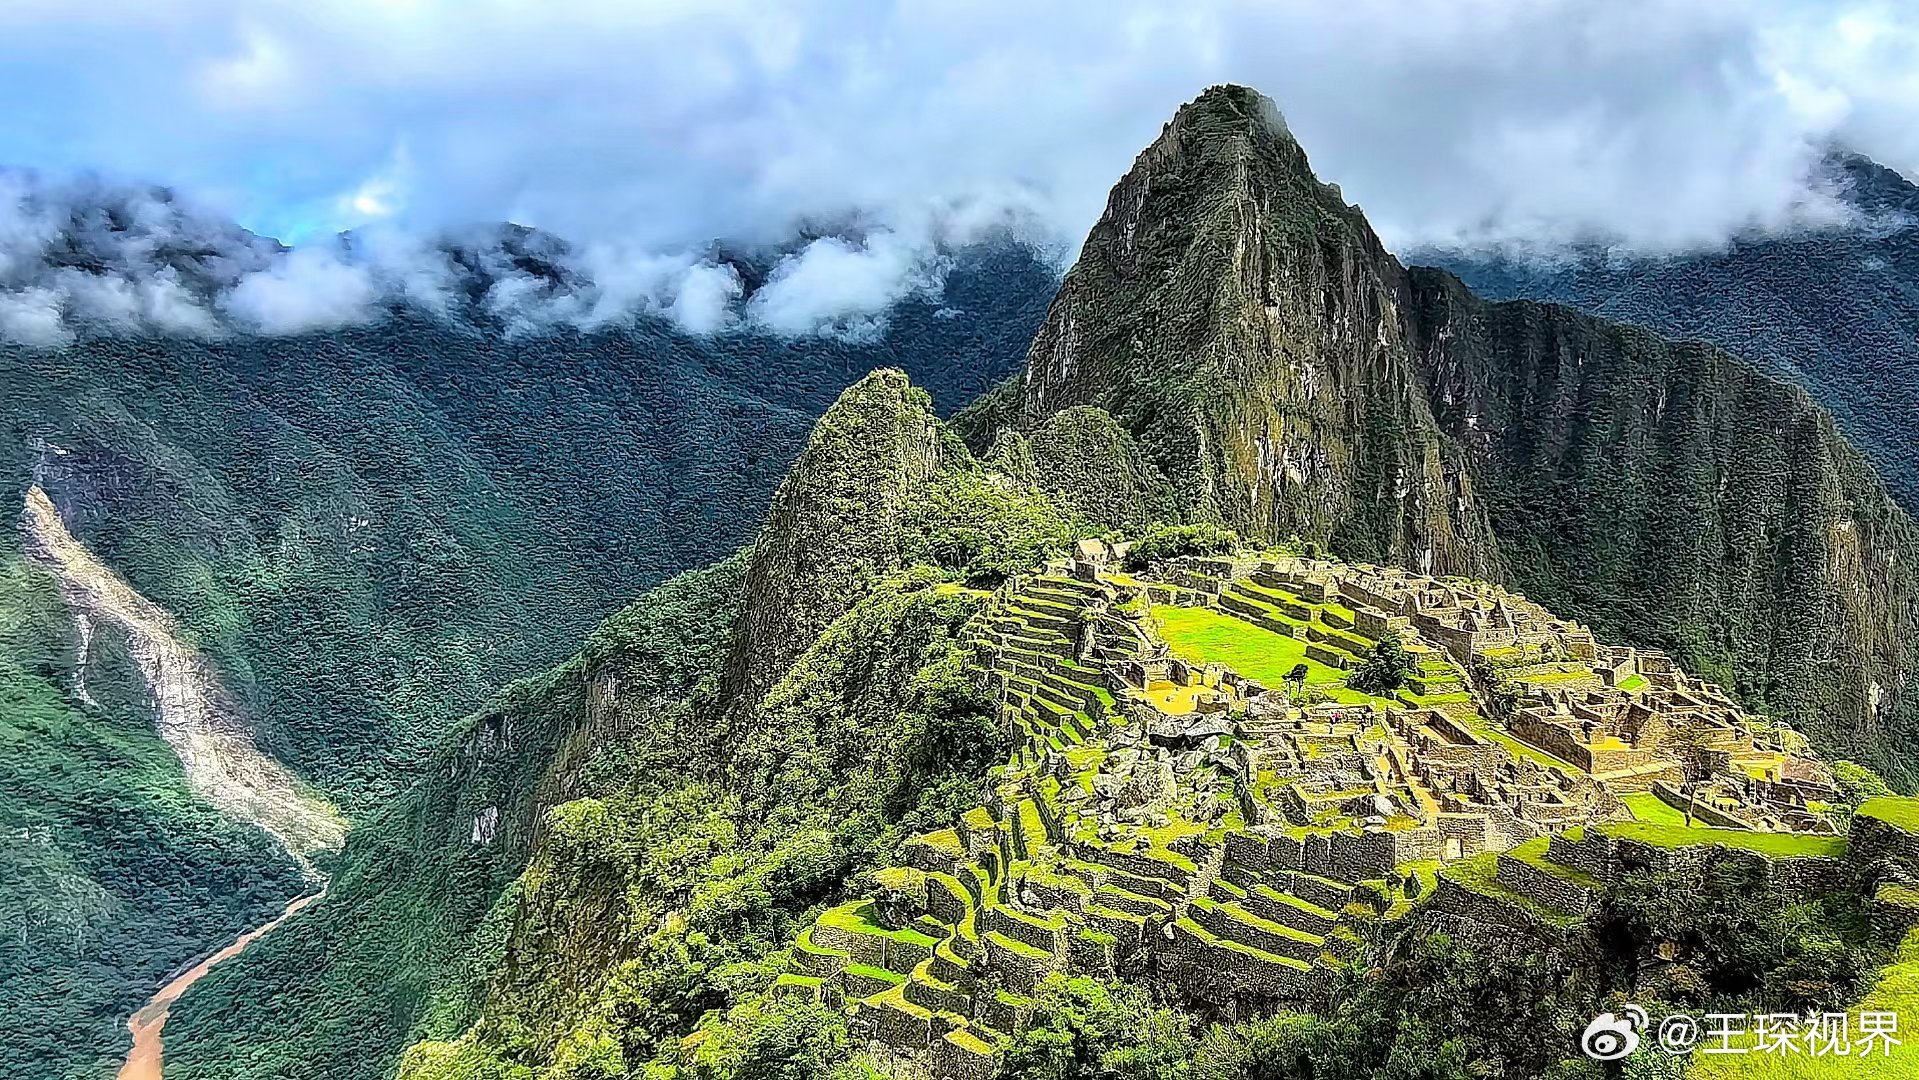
(1893, 810)
(1648, 808)
(1203, 636)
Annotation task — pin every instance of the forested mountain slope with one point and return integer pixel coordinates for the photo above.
(368, 532)
(868, 723)
(371, 529)
(1834, 310)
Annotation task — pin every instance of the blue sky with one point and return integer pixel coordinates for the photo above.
(669, 122)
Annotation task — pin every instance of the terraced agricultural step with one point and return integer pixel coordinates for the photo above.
(1326, 893)
(927, 990)
(1269, 903)
(1234, 923)
(1225, 890)
(965, 1054)
(1262, 617)
(817, 961)
(859, 981)
(897, 1021)
(1043, 620)
(806, 986)
(1021, 965)
(1351, 644)
(1331, 657)
(1128, 928)
(1286, 604)
(1028, 929)
(1028, 602)
(949, 966)
(1209, 967)
(1114, 895)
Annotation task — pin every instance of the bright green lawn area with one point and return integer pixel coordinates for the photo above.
(1633, 682)
(1897, 992)
(1647, 807)
(1203, 636)
(1893, 810)
(857, 917)
(1778, 844)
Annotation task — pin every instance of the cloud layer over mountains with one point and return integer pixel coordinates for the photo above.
(878, 132)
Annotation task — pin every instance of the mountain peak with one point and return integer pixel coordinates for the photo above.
(831, 528)
(1233, 314)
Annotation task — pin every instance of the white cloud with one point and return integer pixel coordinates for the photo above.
(643, 132)
(310, 289)
(31, 316)
(663, 125)
(840, 288)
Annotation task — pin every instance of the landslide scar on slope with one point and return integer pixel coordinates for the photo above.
(193, 711)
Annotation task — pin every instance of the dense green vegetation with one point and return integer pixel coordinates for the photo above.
(1385, 669)
(671, 896)
(1162, 540)
(669, 853)
(420, 907)
(372, 530)
(1896, 991)
(112, 873)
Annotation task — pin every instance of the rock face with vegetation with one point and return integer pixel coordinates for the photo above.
(1833, 309)
(1244, 324)
(1675, 495)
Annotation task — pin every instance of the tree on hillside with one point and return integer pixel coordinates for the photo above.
(1386, 669)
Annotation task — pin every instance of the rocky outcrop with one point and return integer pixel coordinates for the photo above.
(831, 531)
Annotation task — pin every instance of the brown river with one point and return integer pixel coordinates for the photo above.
(143, 1061)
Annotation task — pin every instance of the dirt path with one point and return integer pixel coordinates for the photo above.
(143, 1061)
(203, 724)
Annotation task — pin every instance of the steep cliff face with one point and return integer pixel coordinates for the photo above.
(1245, 325)
(1834, 310)
(1676, 496)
